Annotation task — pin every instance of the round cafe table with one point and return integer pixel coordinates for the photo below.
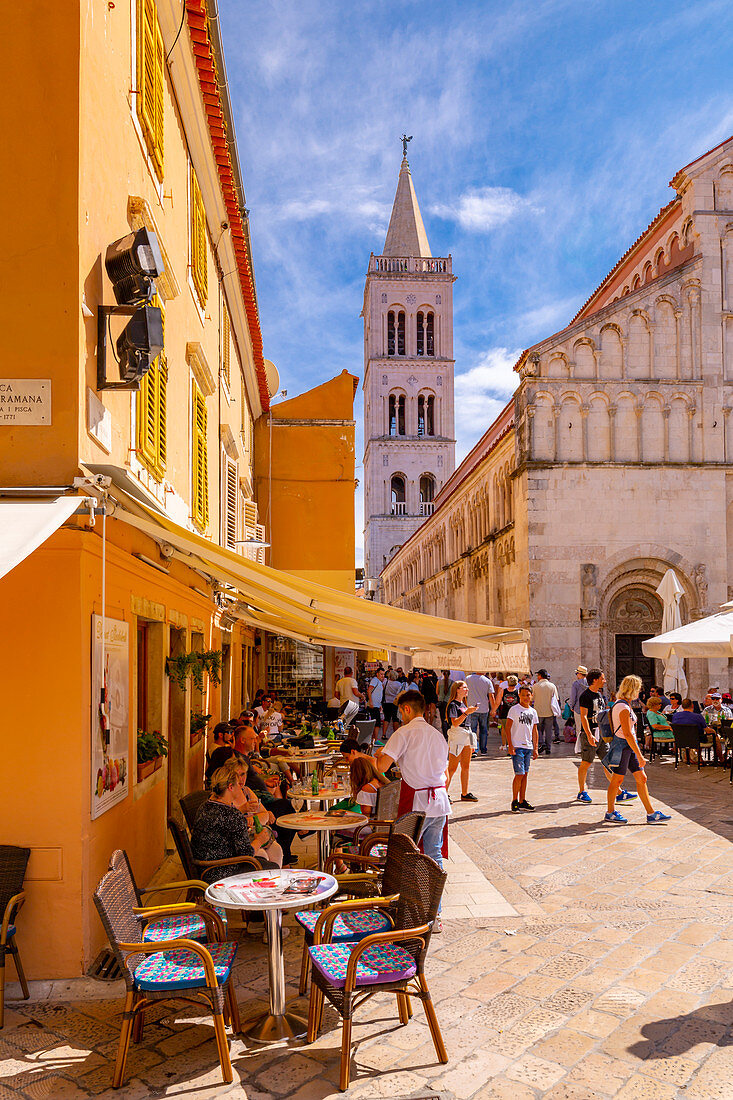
(309, 760)
(278, 1023)
(323, 824)
(327, 794)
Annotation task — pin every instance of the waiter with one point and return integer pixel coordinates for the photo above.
(422, 755)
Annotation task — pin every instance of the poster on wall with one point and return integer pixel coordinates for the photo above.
(343, 658)
(110, 714)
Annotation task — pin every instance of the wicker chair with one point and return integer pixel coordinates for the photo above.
(13, 862)
(194, 868)
(181, 970)
(185, 921)
(380, 882)
(349, 973)
(191, 803)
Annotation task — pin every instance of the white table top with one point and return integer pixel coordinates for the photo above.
(226, 897)
(317, 821)
(323, 795)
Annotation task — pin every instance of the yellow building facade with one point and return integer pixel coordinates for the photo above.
(122, 122)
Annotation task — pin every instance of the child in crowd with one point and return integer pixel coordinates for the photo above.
(521, 734)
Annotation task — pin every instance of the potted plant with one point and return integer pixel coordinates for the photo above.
(197, 726)
(151, 748)
(194, 665)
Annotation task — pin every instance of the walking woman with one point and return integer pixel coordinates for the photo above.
(461, 739)
(625, 755)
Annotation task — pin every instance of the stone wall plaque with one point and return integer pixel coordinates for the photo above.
(25, 401)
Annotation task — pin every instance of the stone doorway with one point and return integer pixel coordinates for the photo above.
(630, 660)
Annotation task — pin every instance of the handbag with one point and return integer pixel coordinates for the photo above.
(567, 712)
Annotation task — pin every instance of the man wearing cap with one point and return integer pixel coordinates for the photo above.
(546, 704)
(578, 686)
(713, 715)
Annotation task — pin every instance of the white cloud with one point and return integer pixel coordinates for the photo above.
(481, 393)
(482, 209)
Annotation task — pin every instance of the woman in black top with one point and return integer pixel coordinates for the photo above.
(220, 830)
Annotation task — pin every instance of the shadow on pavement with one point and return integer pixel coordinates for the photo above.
(678, 1034)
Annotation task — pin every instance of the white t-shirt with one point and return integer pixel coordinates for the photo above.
(347, 689)
(422, 754)
(367, 796)
(479, 692)
(377, 687)
(524, 719)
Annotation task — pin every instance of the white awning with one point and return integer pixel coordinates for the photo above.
(708, 637)
(285, 604)
(26, 524)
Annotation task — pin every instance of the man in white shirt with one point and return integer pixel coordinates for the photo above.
(376, 696)
(422, 755)
(547, 705)
(348, 692)
(480, 695)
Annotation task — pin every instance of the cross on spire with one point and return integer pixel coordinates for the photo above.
(405, 140)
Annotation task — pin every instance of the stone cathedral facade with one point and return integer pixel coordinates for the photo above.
(409, 444)
(612, 463)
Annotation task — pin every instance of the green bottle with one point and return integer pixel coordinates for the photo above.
(258, 827)
(314, 784)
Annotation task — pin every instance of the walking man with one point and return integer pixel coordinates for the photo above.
(347, 691)
(375, 692)
(592, 745)
(521, 732)
(480, 696)
(422, 755)
(577, 688)
(546, 703)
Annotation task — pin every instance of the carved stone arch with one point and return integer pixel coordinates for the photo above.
(558, 364)
(648, 272)
(638, 353)
(611, 358)
(584, 358)
(628, 604)
(659, 261)
(600, 395)
(724, 188)
(570, 428)
(542, 427)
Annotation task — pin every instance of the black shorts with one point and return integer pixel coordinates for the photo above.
(390, 712)
(375, 713)
(627, 763)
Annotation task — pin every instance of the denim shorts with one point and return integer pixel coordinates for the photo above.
(521, 759)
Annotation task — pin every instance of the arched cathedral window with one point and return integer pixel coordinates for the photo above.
(395, 333)
(397, 491)
(397, 414)
(425, 333)
(427, 494)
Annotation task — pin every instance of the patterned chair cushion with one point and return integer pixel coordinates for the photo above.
(182, 969)
(384, 962)
(11, 930)
(349, 926)
(187, 926)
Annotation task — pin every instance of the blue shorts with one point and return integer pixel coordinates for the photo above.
(521, 759)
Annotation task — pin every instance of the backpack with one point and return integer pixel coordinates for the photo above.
(605, 728)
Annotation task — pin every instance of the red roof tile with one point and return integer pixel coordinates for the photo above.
(196, 18)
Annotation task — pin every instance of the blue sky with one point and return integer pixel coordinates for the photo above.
(545, 135)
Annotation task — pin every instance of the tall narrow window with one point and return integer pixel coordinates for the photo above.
(150, 81)
(421, 415)
(430, 415)
(390, 333)
(392, 414)
(142, 674)
(151, 412)
(401, 333)
(200, 461)
(199, 263)
(397, 489)
(427, 494)
(226, 346)
(430, 334)
(401, 414)
(230, 516)
(420, 334)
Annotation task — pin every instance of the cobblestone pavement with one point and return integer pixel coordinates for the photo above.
(613, 978)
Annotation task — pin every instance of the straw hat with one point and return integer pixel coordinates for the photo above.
(582, 670)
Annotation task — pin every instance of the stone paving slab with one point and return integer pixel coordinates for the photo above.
(578, 962)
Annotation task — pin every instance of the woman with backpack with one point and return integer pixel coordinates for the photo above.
(625, 755)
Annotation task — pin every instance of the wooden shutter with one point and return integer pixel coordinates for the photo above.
(231, 496)
(200, 463)
(151, 81)
(226, 342)
(199, 264)
(260, 536)
(151, 412)
(249, 523)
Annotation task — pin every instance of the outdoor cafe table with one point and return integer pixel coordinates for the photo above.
(308, 759)
(322, 823)
(242, 892)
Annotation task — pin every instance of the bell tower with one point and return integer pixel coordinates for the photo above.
(409, 437)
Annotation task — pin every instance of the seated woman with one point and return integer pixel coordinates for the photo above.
(365, 784)
(220, 830)
(658, 723)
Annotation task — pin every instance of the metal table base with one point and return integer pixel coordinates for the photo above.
(277, 1023)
